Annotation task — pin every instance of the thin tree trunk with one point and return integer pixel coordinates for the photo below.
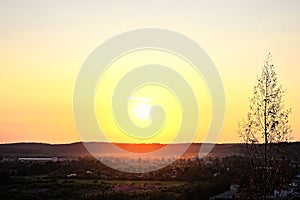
(266, 142)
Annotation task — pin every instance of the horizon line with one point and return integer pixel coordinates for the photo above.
(33, 142)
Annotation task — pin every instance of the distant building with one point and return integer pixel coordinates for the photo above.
(54, 159)
(71, 175)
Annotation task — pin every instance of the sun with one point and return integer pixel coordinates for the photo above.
(142, 111)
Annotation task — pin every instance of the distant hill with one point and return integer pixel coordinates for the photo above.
(42, 150)
(78, 149)
(106, 150)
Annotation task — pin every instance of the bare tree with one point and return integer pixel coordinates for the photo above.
(266, 125)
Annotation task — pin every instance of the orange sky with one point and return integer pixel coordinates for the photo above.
(44, 44)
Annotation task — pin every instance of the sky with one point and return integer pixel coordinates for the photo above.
(43, 45)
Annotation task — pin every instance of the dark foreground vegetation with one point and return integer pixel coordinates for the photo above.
(87, 178)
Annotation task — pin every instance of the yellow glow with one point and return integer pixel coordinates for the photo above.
(43, 46)
(153, 94)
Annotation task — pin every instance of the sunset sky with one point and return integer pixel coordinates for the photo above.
(43, 45)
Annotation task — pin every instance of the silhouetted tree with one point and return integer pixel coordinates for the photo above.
(266, 125)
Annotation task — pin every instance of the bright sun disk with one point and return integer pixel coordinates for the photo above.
(142, 111)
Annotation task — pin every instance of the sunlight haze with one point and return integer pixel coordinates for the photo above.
(43, 45)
